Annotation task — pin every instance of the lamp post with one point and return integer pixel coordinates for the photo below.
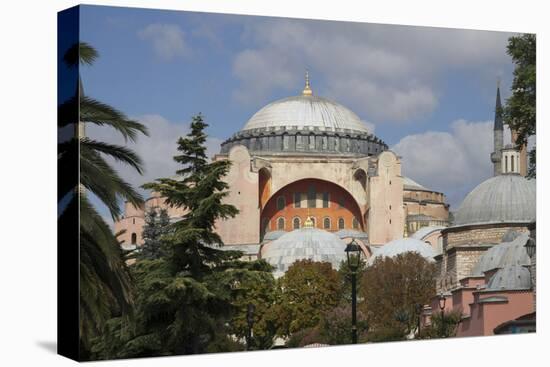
(442, 301)
(353, 253)
(250, 322)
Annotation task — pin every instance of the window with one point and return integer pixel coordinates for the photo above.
(512, 163)
(296, 223)
(281, 224)
(355, 223)
(134, 239)
(341, 223)
(311, 197)
(326, 223)
(506, 164)
(281, 203)
(133, 220)
(341, 202)
(297, 200)
(325, 199)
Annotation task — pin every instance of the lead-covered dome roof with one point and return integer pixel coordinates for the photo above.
(401, 246)
(304, 112)
(509, 198)
(305, 243)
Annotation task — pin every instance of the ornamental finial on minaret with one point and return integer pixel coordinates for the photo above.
(307, 89)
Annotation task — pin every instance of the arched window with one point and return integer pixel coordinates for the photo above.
(355, 223)
(512, 163)
(505, 163)
(296, 223)
(281, 203)
(133, 220)
(134, 239)
(341, 223)
(311, 197)
(281, 224)
(326, 223)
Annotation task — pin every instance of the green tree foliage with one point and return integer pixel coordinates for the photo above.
(156, 225)
(105, 287)
(307, 290)
(520, 110)
(442, 325)
(392, 289)
(186, 299)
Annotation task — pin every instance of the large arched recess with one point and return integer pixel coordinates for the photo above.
(341, 205)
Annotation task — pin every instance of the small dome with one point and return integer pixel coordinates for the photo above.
(273, 235)
(401, 246)
(352, 233)
(503, 255)
(306, 111)
(304, 243)
(426, 231)
(507, 198)
(510, 277)
(409, 184)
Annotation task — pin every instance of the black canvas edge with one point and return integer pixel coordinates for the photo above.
(68, 245)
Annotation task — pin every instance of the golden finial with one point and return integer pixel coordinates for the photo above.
(307, 89)
(308, 223)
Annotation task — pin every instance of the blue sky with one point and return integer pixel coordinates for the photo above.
(429, 93)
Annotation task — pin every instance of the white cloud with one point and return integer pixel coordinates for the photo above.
(156, 151)
(384, 72)
(452, 162)
(168, 40)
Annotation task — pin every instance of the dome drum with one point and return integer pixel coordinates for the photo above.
(316, 140)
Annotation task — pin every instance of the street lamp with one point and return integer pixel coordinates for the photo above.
(250, 321)
(531, 248)
(442, 301)
(353, 253)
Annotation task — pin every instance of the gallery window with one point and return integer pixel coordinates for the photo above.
(134, 239)
(341, 223)
(296, 223)
(281, 203)
(311, 197)
(325, 199)
(297, 200)
(326, 223)
(281, 224)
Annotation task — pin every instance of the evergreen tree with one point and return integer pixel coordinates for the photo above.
(520, 111)
(156, 225)
(185, 299)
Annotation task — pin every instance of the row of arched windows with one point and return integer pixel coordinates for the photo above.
(311, 196)
(327, 223)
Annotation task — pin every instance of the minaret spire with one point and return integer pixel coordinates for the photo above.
(498, 135)
(307, 89)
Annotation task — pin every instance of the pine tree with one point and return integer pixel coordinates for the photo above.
(185, 297)
(156, 225)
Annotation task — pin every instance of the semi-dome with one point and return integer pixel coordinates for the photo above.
(306, 111)
(304, 243)
(503, 255)
(401, 246)
(509, 198)
(509, 278)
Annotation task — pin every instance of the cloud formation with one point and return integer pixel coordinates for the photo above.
(168, 40)
(451, 162)
(385, 72)
(156, 151)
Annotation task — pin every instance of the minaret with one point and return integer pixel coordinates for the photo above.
(498, 132)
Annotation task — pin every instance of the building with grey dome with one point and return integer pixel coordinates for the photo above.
(502, 204)
(304, 243)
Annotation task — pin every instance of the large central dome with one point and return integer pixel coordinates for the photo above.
(306, 111)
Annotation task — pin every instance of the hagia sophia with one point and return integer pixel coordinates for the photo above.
(308, 176)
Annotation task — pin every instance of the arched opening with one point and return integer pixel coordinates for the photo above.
(281, 224)
(133, 239)
(326, 223)
(296, 223)
(341, 223)
(360, 177)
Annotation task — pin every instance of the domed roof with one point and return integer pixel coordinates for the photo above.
(410, 184)
(306, 111)
(425, 231)
(352, 233)
(506, 198)
(503, 255)
(273, 235)
(401, 246)
(304, 243)
(510, 277)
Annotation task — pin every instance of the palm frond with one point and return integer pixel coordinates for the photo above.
(119, 153)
